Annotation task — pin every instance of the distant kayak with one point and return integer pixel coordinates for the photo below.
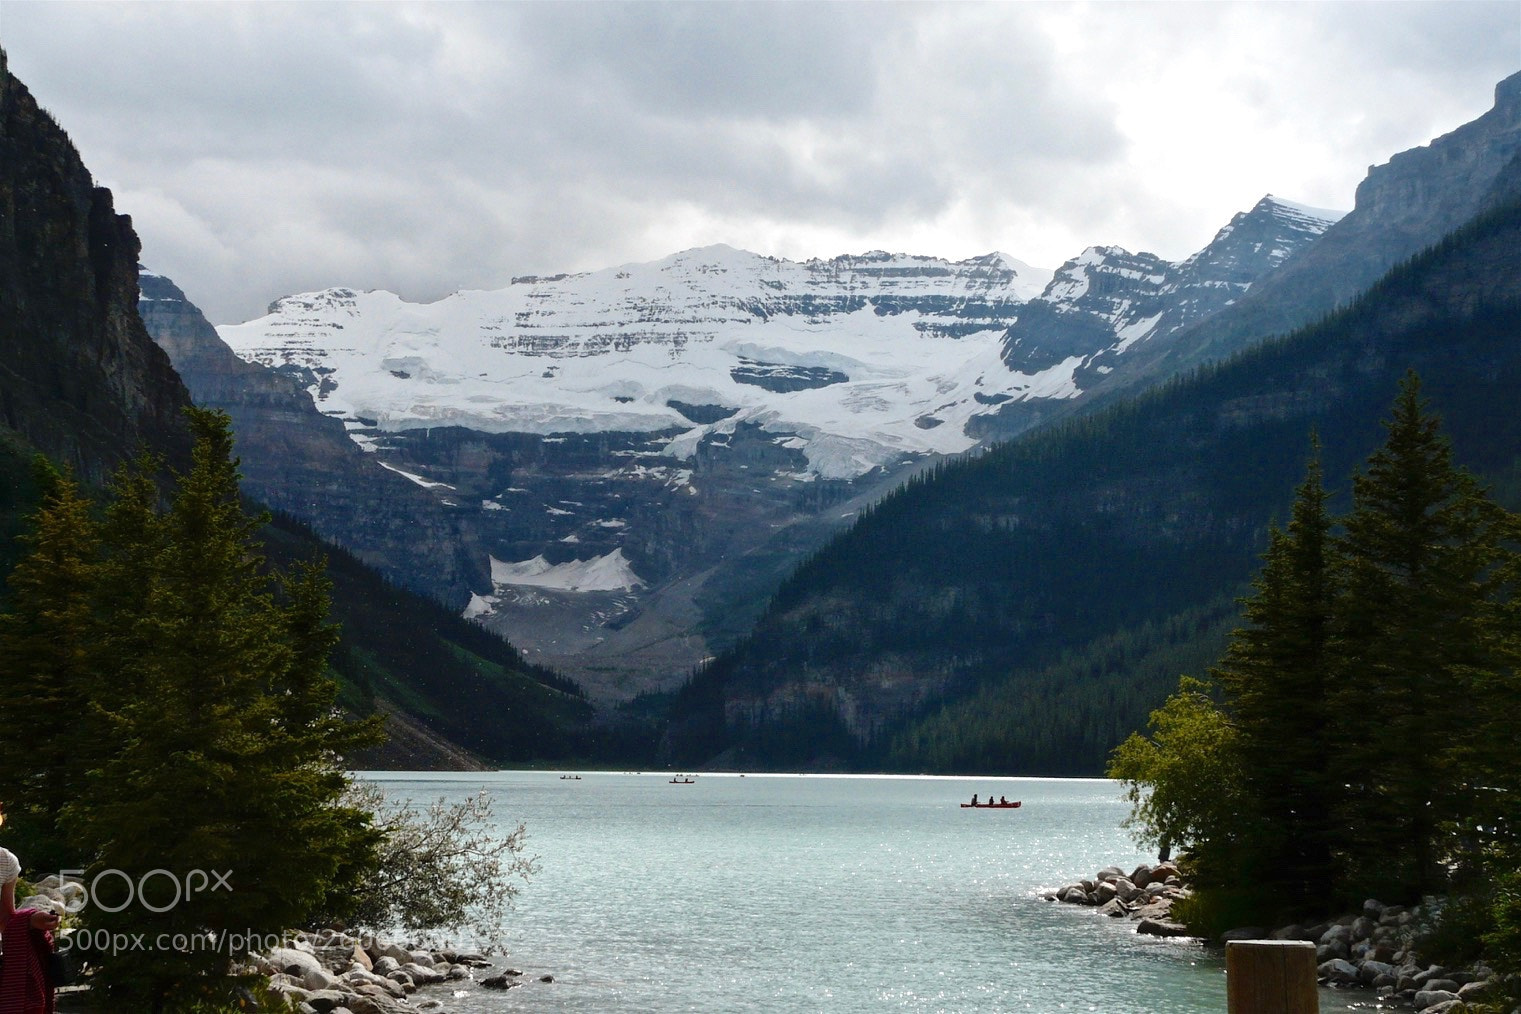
(993, 806)
(683, 781)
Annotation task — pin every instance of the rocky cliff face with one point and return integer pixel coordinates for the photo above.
(297, 460)
(79, 377)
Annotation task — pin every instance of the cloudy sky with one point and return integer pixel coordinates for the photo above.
(264, 149)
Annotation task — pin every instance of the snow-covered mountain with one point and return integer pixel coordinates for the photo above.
(1107, 300)
(645, 450)
(855, 360)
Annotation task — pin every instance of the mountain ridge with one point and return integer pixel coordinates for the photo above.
(708, 417)
(859, 324)
(1401, 207)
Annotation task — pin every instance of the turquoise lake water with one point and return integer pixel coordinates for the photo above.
(820, 893)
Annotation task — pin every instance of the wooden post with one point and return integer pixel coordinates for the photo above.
(1271, 977)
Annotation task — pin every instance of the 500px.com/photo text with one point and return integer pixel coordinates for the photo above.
(101, 941)
(156, 891)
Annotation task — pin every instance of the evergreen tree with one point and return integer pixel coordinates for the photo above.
(47, 666)
(225, 771)
(1278, 695)
(1418, 566)
(1370, 700)
(1487, 835)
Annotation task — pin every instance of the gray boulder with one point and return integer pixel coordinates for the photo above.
(500, 982)
(1338, 971)
(1162, 928)
(377, 1005)
(1431, 997)
(324, 1001)
(320, 979)
(1337, 934)
(1331, 951)
(297, 963)
(1473, 992)
(1447, 1007)
(423, 976)
(394, 950)
(356, 977)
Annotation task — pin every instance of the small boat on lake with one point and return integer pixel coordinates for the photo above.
(683, 781)
(570, 778)
(1010, 805)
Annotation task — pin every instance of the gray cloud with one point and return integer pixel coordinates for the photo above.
(269, 148)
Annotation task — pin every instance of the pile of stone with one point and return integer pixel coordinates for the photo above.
(1145, 895)
(55, 894)
(1375, 948)
(325, 972)
(335, 973)
(1372, 949)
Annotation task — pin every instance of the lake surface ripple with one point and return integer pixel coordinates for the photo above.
(818, 893)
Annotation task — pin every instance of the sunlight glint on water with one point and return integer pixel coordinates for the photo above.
(819, 893)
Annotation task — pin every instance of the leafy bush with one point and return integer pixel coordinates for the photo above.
(442, 867)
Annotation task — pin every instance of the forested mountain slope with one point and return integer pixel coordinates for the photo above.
(1038, 573)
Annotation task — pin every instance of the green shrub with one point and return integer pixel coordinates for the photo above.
(1210, 911)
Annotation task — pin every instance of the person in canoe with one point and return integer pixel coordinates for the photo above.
(974, 799)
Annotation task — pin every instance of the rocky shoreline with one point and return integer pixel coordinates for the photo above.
(1373, 949)
(330, 971)
(1146, 895)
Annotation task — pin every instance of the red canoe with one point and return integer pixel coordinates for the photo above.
(992, 806)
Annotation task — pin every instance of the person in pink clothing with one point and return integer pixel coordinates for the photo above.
(27, 935)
